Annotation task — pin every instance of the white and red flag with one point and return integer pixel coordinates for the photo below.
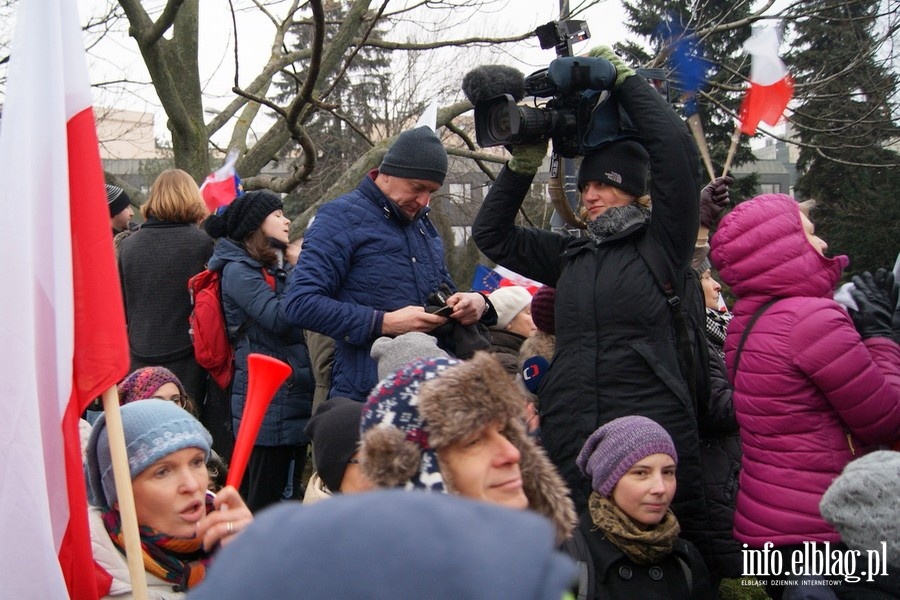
(771, 86)
(223, 185)
(62, 324)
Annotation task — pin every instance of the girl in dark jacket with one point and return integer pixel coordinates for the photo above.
(254, 263)
(628, 527)
(616, 353)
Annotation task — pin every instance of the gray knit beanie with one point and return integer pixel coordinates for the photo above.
(615, 447)
(863, 504)
(154, 428)
(393, 353)
(416, 154)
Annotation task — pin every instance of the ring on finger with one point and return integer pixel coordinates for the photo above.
(229, 527)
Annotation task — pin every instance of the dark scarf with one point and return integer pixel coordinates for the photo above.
(180, 561)
(716, 323)
(643, 546)
(616, 219)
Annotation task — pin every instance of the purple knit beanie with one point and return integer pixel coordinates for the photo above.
(144, 382)
(542, 307)
(615, 447)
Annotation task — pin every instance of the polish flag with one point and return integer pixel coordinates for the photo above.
(62, 334)
(223, 185)
(771, 86)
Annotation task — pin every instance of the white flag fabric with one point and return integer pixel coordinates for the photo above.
(62, 332)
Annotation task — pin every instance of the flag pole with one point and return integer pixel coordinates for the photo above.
(697, 129)
(735, 137)
(125, 493)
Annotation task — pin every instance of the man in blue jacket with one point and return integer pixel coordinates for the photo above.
(372, 257)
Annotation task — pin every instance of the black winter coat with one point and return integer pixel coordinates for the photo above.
(720, 452)
(682, 575)
(615, 343)
(505, 346)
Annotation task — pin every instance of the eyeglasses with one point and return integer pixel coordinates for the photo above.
(181, 400)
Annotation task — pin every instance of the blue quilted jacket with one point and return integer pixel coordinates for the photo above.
(249, 301)
(361, 258)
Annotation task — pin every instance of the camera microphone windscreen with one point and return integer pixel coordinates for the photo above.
(488, 81)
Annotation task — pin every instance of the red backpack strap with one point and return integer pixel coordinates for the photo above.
(270, 279)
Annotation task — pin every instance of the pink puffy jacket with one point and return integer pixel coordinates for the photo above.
(809, 392)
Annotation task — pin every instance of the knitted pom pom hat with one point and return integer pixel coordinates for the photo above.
(244, 215)
(430, 404)
(616, 446)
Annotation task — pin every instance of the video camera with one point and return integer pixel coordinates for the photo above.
(581, 114)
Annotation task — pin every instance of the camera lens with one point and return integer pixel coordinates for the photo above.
(499, 123)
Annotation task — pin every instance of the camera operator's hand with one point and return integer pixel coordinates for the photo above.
(876, 299)
(714, 199)
(468, 307)
(527, 158)
(410, 318)
(623, 71)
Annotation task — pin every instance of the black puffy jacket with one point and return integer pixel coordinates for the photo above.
(616, 353)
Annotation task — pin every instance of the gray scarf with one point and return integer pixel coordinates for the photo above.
(616, 219)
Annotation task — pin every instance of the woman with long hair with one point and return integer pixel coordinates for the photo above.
(255, 257)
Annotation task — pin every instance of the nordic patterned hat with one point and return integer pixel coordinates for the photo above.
(430, 405)
(395, 449)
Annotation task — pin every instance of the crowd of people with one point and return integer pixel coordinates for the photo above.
(616, 434)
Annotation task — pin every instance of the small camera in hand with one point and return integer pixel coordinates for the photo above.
(437, 304)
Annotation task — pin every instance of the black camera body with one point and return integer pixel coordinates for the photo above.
(581, 114)
(437, 304)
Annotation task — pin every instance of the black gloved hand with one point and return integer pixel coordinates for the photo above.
(714, 199)
(876, 300)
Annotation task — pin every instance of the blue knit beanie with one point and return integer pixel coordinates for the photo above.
(154, 428)
(416, 154)
(615, 447)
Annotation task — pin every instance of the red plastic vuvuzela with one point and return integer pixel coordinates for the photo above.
(264, 376)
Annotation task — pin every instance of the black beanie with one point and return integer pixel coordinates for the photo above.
(245, 214)
(624, 164)
(416, 154)
(116, 199)
(334, 430)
